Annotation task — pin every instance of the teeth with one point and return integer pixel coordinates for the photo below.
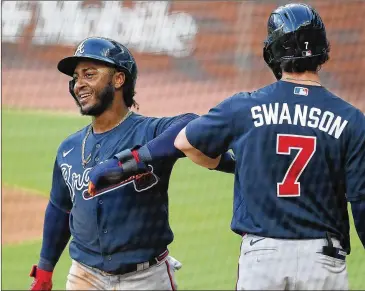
(85, 95)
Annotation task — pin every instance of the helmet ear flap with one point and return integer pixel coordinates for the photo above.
(278, 72)
(270, 61)
(268, 57)
(71, 86)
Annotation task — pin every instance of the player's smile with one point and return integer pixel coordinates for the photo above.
(84, 98)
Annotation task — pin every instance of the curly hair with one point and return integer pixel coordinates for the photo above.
(127, 89)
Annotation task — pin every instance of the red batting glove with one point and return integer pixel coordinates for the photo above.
(42, 279)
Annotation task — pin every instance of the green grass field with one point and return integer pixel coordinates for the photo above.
(200, 207)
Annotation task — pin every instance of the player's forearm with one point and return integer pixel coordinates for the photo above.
(56, 234)
(162, 146)
(135, 161)
(182, 143)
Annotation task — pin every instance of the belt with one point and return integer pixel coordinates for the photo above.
(332, 251)
(138, 267)
(328, 250)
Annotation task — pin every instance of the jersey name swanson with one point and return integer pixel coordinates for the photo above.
(279, 113)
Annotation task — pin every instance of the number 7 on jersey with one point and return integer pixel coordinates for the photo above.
(285, 143)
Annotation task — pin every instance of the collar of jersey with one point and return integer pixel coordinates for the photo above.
(99, 136)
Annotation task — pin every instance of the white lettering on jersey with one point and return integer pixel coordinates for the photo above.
(314, 114)
(271, 115)
(285, 114)
(75, 181)
(302, 115)
(255, 112)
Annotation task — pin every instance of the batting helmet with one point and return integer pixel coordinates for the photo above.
(102, 50)
(295, 31)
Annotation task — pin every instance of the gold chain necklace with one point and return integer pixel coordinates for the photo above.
(302, 80)
(87, 160)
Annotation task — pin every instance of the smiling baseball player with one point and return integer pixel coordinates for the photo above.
(120, 232)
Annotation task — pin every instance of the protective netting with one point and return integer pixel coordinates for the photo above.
(190, 54)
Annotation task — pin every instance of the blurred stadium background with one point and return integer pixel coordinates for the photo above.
(191, 55)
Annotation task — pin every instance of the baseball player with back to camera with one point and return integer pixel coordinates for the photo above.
(300, 158)
(119, 227)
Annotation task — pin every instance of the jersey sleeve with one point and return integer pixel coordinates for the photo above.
(355, 166)
(213, 132)
(159, 125)
(60, 193)
(165, 122)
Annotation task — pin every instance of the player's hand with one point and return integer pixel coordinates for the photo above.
(104, 175)
(42, 279)
(115, 171)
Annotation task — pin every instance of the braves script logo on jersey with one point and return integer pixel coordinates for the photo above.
(74, 181)
(80, 181)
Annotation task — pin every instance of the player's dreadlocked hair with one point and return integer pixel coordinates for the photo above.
(129, 93)
(128, 90)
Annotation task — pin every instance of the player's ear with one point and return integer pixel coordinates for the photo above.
(119, 80)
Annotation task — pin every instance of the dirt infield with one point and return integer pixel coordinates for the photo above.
(22, 215)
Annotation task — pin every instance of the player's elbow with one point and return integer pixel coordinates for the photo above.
(181, 142)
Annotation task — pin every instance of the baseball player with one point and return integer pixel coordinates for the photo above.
(120, 232)
(300, 155)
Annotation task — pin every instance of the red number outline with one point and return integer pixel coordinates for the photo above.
(285, 143)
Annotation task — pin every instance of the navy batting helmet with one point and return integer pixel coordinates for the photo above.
(295, 31)
(102, 50)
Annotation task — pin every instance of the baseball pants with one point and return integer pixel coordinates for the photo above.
(158, 277)
(281, 264)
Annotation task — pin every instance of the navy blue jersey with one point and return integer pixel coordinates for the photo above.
(126, 225)
(300, 152)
